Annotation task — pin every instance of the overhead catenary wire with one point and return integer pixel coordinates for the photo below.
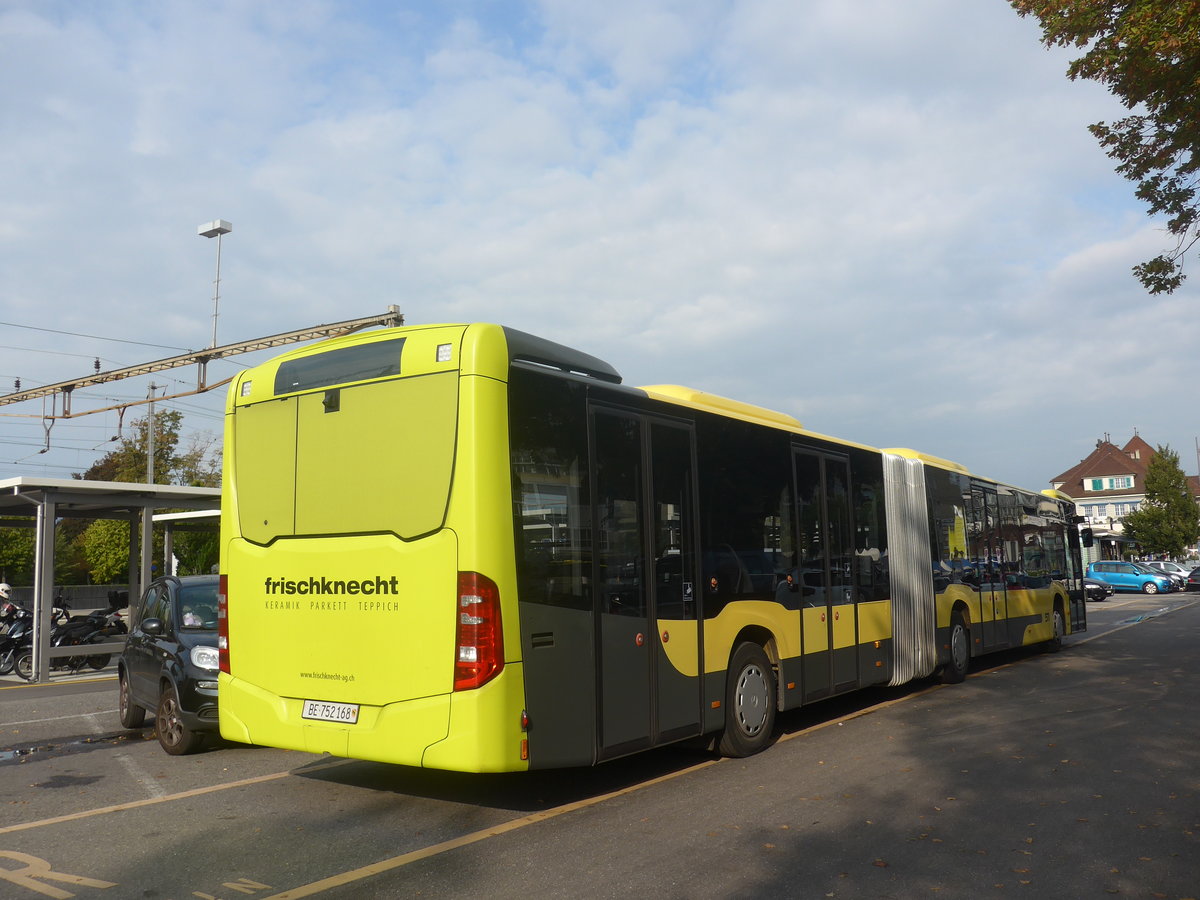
(92, 337)
(64, 391)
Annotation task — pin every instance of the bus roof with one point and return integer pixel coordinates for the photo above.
(929, 459)
(747, 412)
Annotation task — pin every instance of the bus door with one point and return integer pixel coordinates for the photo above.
(987, 555)
(1072, 574)
(644, 537)
(825, 552)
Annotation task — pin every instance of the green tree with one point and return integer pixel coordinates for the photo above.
(1147, 53)
(104, 544)
(70, 566)
(197, 551)
(1167, 521)
(127, 461)
(16, 554)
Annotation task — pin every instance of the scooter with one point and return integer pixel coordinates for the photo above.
(8, 614)
(94, 628)
(18, 623)
(114, 625)
(15, 622)
(107, 626)
(19, 643)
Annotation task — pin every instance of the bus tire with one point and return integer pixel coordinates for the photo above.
(955, 669)
(749, 702)
(1060, 628)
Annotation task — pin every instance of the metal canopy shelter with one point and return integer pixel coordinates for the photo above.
(48, 499)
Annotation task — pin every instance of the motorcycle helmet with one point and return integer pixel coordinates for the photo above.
(5, 590)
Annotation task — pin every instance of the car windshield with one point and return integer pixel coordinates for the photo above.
(1146, 570)
(198, 607)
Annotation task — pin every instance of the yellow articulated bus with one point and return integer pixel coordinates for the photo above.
(469, 548)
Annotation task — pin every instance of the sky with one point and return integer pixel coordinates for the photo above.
(886, 219)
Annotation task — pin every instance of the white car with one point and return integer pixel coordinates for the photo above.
(1177, 572)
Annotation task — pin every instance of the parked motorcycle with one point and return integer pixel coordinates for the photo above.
(97, 627)
(16, 623)
(66, 630)
(113, 625)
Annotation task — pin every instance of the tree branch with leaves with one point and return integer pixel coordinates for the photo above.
(1147, 53)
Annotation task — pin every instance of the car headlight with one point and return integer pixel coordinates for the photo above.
(206, 658)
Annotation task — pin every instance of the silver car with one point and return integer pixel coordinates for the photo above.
(1177, 573)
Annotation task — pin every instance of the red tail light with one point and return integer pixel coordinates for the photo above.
(223, 622)
(478, 636)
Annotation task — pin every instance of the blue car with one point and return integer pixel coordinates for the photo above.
(1127, 576)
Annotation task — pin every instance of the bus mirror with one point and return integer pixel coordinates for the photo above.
(1085, 537)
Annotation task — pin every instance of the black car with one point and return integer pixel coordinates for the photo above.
(1095, 589)
(169, 665)
(1193, 581)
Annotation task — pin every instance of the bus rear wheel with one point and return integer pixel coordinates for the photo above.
(749, 702)
(1060, 629)
(955, 670)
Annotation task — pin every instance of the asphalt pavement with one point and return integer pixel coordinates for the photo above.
(1067, 775)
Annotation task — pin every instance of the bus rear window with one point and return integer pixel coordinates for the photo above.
(381, 460)
(359, 363)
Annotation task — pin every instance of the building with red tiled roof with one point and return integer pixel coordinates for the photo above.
(1109, 484)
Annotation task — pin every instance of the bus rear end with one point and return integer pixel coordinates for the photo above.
(367, 552)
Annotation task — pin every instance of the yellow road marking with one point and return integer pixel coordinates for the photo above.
(405, 859)
(396, 862)
(36, 684)
(152, 801)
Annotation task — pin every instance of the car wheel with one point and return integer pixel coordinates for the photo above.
(1149, 588)
(132, 715)
(955, 670)
(749, 702)
(173, 735)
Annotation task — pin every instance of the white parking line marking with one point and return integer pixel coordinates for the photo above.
(102, 712)
(182, 795)
(136, 772)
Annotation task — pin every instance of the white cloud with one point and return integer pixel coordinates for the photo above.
(888, 219)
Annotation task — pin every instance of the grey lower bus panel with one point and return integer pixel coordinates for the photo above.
(910, 567)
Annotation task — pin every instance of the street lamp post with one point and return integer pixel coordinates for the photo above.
(215, 229)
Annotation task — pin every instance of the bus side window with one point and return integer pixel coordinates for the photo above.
(749, 530)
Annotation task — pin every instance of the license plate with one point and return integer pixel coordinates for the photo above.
(344, 713)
